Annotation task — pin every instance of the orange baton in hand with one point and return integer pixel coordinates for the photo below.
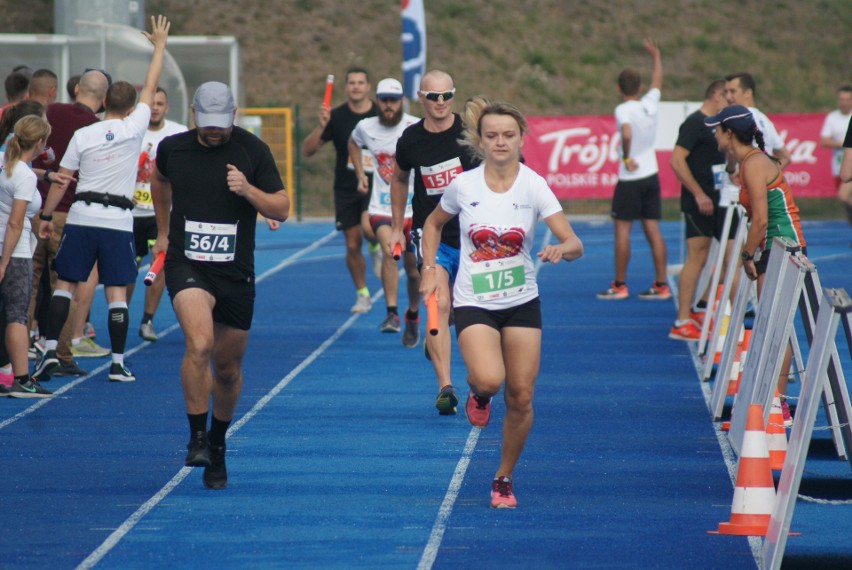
(326, 100)
(432, 314)
(397, 251)
(155, 268)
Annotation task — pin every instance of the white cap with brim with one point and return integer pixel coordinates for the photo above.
(390, 88)
(214, 105)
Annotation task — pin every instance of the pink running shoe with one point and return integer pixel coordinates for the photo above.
(502, 496)
(785, 413)
(6, 379)
(478, 410)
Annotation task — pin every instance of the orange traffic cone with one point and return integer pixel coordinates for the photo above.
(739, 358)
(723, 326)
(776, 435)
(754, 494)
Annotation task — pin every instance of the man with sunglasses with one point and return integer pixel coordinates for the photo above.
(65, 119)
(431, 150)
(379, 136)
(350, 206)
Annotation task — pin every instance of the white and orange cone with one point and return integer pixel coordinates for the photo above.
(754, 494)
(776, 435)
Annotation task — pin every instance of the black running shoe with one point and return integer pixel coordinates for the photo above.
(45, 367)
(69, 369)
(411, 336)
(120, 373)
(216, 475)
(198, 450)
(446, 401)
(29, 389)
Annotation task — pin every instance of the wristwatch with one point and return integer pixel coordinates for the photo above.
(747, 256)
(47, 174)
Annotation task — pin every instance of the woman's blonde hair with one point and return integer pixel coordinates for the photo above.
(28, 131)
(478, 107)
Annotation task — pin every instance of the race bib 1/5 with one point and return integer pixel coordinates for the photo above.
(436, 178)
(498, 278)
(204, 241)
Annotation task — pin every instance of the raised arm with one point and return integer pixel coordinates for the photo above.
(314, 141)
(657, 74)
(159, 33)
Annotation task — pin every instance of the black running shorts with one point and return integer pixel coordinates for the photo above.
(234, 298)
(637, 199)
(527, 315)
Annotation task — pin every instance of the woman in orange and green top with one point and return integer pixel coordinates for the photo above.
(766, 196)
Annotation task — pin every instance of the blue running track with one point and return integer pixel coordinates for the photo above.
(338, 459)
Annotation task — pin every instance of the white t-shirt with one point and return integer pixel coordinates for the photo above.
(142, 193)
(496, 269)
(21, 186)
(642, 117)
(834, 128)
(380, 142)
(771, 138)
(106, 155)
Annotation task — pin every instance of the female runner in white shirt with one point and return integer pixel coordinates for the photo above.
(495, 297)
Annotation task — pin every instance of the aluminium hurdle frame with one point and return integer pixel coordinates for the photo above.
(835, 307)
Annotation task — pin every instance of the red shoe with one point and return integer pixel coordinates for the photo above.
(478, 410)
(656, 293)
(698, 318)
(614, 293)
(502, 496)
(686, 331)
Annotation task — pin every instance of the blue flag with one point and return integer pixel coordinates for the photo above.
(413, 47)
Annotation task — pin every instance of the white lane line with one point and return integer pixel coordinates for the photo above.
(44, 401)
(430, 552)
(125, 528)
(437, 534)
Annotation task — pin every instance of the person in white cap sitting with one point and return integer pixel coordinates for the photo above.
(208, 185)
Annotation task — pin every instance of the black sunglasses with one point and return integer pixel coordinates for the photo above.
(433, 95)
(107, 75)
(389, 99)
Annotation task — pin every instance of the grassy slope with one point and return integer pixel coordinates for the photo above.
(551, 57)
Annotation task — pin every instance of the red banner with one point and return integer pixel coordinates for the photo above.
(578, 156)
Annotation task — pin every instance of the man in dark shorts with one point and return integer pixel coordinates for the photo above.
(350, 205)
(208, 186)
(431, 150)
(637, 193)
(700, 167)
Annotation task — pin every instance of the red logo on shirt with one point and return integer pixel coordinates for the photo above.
(491, 243)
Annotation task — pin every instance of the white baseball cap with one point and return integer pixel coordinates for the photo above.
(389, 88)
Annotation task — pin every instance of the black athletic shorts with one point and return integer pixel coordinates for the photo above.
(348, 207)
(637, 199)
(144, 234)
(698, 225)
(527, 315)
(763, 263)
(234, 298)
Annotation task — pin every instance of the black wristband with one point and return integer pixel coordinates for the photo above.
(47, 174)
(45, 217)
(747, 256)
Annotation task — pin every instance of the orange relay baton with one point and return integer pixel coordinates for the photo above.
(155, 268)
(432, 314)
(326, 100)
(397, 251)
